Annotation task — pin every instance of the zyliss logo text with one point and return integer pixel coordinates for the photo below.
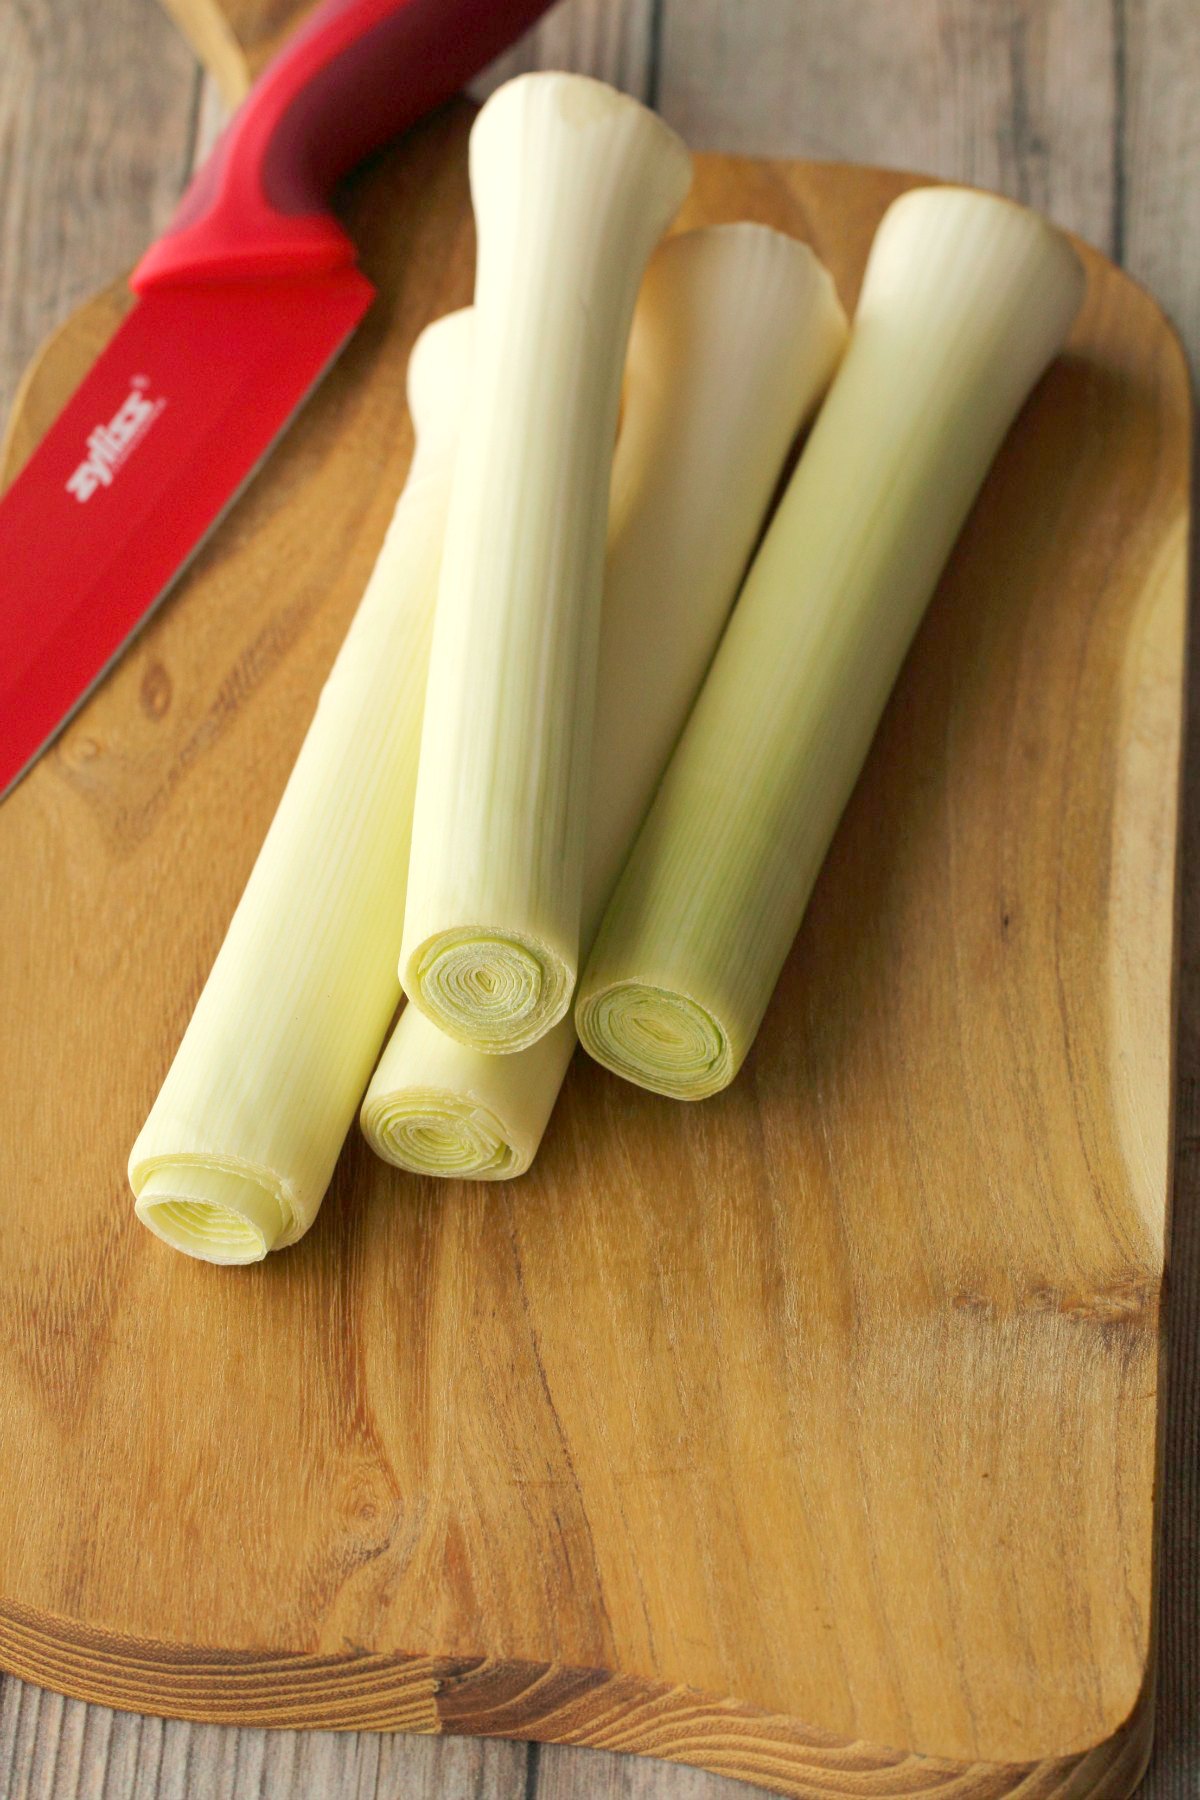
(110, 445)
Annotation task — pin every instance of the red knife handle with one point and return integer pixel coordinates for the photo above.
(354, 76)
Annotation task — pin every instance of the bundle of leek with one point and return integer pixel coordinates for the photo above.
(736, 334)
(516, 847)
(965, 300)
(240, 1144)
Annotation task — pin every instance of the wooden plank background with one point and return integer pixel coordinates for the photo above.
(1089, 109)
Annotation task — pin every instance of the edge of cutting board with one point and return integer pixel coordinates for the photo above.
(551, 1700)
(461, 1696)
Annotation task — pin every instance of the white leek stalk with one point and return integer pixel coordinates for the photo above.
(965, 300)
(573, 184)
(241, 1142)
(736, 334)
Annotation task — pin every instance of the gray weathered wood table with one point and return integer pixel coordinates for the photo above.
(1089, 109)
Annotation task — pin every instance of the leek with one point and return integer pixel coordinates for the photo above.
(241, 1142)
(736, 334)
(572, 186)
(965, 300)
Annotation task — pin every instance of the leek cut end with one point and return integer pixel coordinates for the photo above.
(660, 1040)
(214, 1214)
(434, 1132)
(494, 991)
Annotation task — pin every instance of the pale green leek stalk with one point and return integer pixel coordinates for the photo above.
(573, 184)
(241, 1142)
(965, 300)
(736, 334)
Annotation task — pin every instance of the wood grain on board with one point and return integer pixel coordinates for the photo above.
(808, 1435)
(987, 112)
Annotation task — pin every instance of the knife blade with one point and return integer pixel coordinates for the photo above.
(240, 308)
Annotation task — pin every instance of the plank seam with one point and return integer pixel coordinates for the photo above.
(1120, 97)
(654, 51)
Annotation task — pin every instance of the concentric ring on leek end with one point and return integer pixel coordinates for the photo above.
(496, 991)
(657, 1038)
(221, 1214)
(431, 1131)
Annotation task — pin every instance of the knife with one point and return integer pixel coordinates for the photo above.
(240, 308)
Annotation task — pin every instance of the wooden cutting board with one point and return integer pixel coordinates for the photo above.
(808, 1434)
